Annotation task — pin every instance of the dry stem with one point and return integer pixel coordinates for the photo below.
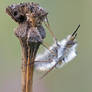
(29, 78)
(24, 64)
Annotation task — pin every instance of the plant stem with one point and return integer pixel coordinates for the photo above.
(32, 51)
(24, 64)
(29, 78)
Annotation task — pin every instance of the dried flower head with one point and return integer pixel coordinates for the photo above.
(27, 12)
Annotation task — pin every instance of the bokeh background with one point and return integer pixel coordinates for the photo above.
(64, 16)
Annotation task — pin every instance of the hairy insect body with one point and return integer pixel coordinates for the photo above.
(63, 52)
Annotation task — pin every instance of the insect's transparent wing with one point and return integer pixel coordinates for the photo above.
(44, 66)
(49, 57)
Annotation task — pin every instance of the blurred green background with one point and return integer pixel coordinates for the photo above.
(64, 16)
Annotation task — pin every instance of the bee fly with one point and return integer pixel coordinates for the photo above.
(60, 53)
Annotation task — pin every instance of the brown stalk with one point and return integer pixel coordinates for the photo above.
(24, 64)
(30, 69)
(33, 46)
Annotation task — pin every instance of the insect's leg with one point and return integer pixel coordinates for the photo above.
(46, 22)
(49, 71)
(47, 47)
(38, 62)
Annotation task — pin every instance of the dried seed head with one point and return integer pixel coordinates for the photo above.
(27, 12)
(34, 35)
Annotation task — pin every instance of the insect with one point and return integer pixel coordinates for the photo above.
(60, 53)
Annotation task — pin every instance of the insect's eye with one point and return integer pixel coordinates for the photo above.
(15, 13)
